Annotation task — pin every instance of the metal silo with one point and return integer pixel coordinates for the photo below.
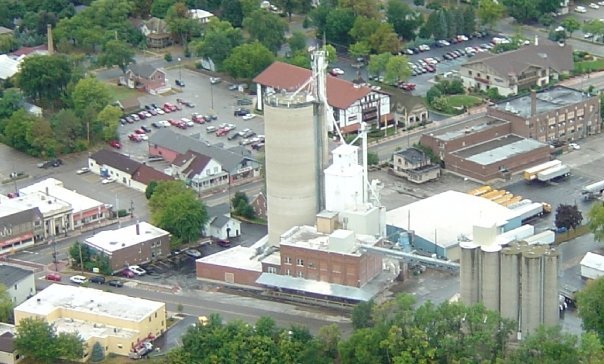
(532, 289)
(469, 272)
(293, 153)
(510, 282)
(489, 276)
(551, 312)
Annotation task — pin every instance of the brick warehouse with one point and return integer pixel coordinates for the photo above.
(517, 133)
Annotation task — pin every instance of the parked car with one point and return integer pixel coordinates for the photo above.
(153, 112)
(135, 117)
(180, 83)
(160, 111)
(244, 102)
(210, 129)
(129, 119)
(53, 277)
(135, 137)
(139, 131)
(248, 116)
(223, 242)
(123, 121)
(78, 279)
(424, 47)
(193, 253)
(108, 180)
(97, 279)
(187, 122)
(196, 118)
(156, 125)
(215, 80)
(146, 129)
(337, 71)
(83, 170)
(126, 273)
(241, 112)
(115, 283)
(233, 87)
(594, 6)
(115, 144)
(137, 270)
(222, 132)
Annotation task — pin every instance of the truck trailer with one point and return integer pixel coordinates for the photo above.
(480, 191)
(553, 173)
(593, 190)
(530, 211)
(530, 174)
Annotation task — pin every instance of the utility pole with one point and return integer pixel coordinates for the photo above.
(131, 208)
(54, 253)
(81, 260)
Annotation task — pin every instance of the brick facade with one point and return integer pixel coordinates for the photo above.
(230, 275)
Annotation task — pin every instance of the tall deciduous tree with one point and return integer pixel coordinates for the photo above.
(218, 41)
(45, 78)
(568, 216)
(359, 49)
(590, 301)
(338, 23)
(297, 41)
(38, 340)
(108, 120)
(571, 24)
(248, 60)
(595, 27)
(377, 63)
(116, 53)
(404, 20)
(368, 8)
(267, 28)
(90, 94)
(596, 221)
(181, 23)
(523, 11)
(232, 12)
(489, 12)
(159, 8)
(397, 69)
(6, 305)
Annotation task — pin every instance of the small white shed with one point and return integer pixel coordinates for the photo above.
(592, 266)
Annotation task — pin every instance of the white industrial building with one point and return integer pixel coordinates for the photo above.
(592, 266)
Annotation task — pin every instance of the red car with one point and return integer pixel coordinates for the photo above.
(53, 277)
(134, 137)
(140, 131)
(198, 119)
(166, 109)
(115, 144)
(126, 273)
(173, 122)
(222, 132)
(170, 106)
(407, 86)
(181, 124)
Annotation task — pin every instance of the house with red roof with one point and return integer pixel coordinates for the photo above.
(351, 103)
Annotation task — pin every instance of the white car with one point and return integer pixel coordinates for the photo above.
(108, 180)
(188, 122)
(215, 80)
(337, 71)
(248, 116)
(144, 136)
(160, 111)
(424, 47)
(594, 6)
(574, 146)
(137, 270)
(83, 170)
(580, 9)
(588, 35)
(78, 279)
(600, 2)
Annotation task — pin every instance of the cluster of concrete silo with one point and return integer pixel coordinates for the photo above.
(519, 280)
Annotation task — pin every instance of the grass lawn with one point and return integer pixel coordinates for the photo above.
(589, 66)
(120, 92)
(463, 100)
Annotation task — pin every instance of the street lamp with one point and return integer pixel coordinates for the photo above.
(212, 96)
(179, 73)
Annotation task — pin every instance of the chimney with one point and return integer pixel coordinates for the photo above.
(138, 229)
(536, 40)
(51, 46)
(533, 102)
(47, 193)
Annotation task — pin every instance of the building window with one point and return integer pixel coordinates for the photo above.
(300, 262)
(288, 260)
(470, 73)
(272, 270)
(288, 272)
(156, 315)
(300, 274)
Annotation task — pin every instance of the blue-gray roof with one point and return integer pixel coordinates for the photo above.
(10, 275)
(315, 287)
(218, 210)
(220, 221)
(230, 160)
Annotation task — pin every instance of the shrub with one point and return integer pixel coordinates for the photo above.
(432, 94)
(122, 212)
(98, 353)
(168, 57)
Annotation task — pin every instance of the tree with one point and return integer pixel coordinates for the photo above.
(469, 20)
(176, 209)
(397, 69)
(595, 27)
(297, 41)
(432, 94)
(489, 12)
(98, 353)
(547, 345)
(384, 39)
(29, 134)
(90, 94)
(232, 12)
(290, 6)
(404, 20)
(338, 23)
(159, 8)
(359, 49)
(80, 253)
(267, 28)
(523, 11)
(241, 205)
(218, 41)
(596, 221)
(367, 8)
(116, 53)
(38, 340)
(361, 314)
(330, 53)
(568, 216)
(45, 78)
(571, 24)
(9, 103)
(181, 23)
(590, 302)
(69, 129)
(6, 305)
(107, 121)
(377, 63)
(150, 189)
(248, 60)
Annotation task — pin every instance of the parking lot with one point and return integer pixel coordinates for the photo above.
(207, 99)
(590, 14)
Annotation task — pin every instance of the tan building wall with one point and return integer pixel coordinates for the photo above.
(329, 266)
(9, 358)
(229, 275)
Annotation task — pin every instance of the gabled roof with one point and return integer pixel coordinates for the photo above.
(166, 138)
(8, 66)
(283, 76)
(412, 155)
(144, 70)
(7, 342)
(220, 221)
(130, 103)
(115, 160)
(155, 25)
(218, 210)
(546, 54)
(25, 51)
(406, 102)
(4, 30)
(145, 175)
(10, 275)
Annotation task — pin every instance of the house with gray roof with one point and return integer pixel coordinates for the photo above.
(8, 353)
(240, 165)
(511, 72)
(156, 32)
(409, 109)
(147, 77)
(220, 224)
(414, 165)
(20, 283)
(199, 171)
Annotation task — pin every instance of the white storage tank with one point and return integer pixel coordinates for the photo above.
(551, 309)
(510, 282)
(489, 276)
(532, 289)
(469, 272)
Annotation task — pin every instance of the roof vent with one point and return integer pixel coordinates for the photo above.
(113, 242)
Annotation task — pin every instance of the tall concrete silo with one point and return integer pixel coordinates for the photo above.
(293, 155)
(469, 283)
(489, 276)
(532, 289)
(551, 313)
(510, 282)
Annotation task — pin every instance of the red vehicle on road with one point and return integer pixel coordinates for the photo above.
(53, 277)
(115, 144)
(140, 131)
(135, 137)
(198, 119)
(222, 132)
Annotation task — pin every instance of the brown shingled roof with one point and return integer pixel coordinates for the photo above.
(282, 76)
(7, 343)
(197, 165)
(145, 174)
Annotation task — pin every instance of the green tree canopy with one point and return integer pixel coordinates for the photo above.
(378, 62)
(397, 69)
(6, 305)
(90, 94)
(38, 340)
(248, 60)
(595, 27)
(596, 221)
(159, 8)
(404, 20)
(217, 42)
(568, 216)
(45, 78)
(297, 41)
(116, 53)
(590, 302)
(181, 23)
(489, 12)
(571, 24)
(266, 28)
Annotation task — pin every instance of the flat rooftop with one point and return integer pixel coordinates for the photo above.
(10, 208)
(56, 190)
(87, 330)
(89, 300)
(448, 216)
(46, 204)
(500, 149)
(308, 237)
(112, 240)
(480, 124)
(235, 257)
(547, 100)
